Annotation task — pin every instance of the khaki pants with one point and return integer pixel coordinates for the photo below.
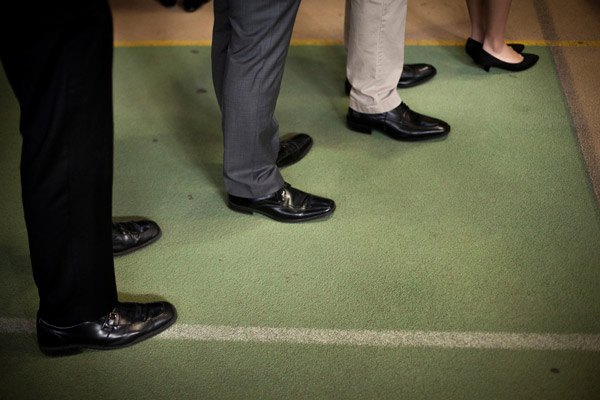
(374, 38)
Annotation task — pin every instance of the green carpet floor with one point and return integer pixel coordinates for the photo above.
(494, 229)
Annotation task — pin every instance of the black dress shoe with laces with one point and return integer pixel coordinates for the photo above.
(412, 75)
(401, 123)
(285, 205)
(133, 235)
(125, 325)
(293, 149)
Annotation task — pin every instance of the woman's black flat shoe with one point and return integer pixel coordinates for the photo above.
(473, 47)
(486, 60)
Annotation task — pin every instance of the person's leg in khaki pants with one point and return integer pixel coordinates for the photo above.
(375, 44)
(412, 74)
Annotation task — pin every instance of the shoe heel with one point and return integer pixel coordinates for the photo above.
(485, 60)
(239, 209)
(52, 343)
(367, 130)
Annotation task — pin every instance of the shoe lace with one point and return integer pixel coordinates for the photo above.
(288, 198)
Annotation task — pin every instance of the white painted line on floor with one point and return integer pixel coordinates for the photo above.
(335, 337)
(17, 325)
(475, 340)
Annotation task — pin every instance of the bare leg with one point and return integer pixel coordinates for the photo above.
(477, 15)
(496, 16)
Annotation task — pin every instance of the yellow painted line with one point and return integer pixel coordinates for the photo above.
(163, 43)
(563, 43)
(205, 43)
(317, 42)
(336, 42)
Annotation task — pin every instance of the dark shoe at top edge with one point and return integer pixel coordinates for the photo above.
(193, 5)
(168, 3)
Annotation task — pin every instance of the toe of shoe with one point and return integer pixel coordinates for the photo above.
(320, 205)
(164, 314)
(150, 230)
(155, 230)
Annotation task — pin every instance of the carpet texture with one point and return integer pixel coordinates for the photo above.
(494, 229)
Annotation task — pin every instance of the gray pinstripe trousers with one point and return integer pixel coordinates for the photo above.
(250, 44)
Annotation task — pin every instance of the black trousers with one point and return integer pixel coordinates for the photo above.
(59, 64)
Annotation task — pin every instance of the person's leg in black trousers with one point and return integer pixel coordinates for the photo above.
(61, 73)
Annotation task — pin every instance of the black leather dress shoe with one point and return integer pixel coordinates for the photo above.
(401, 124)
(125, 325)
(293, 149)
(412, 75)
(285, 205)
(415, 74)
(133, 235)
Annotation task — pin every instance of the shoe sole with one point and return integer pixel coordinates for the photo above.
(250, 211)
(141, 246)
(368, 130)
(72, 350)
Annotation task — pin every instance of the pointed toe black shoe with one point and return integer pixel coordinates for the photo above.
(473, 47)
(401, 123)
(487, 61)
(288, 204)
